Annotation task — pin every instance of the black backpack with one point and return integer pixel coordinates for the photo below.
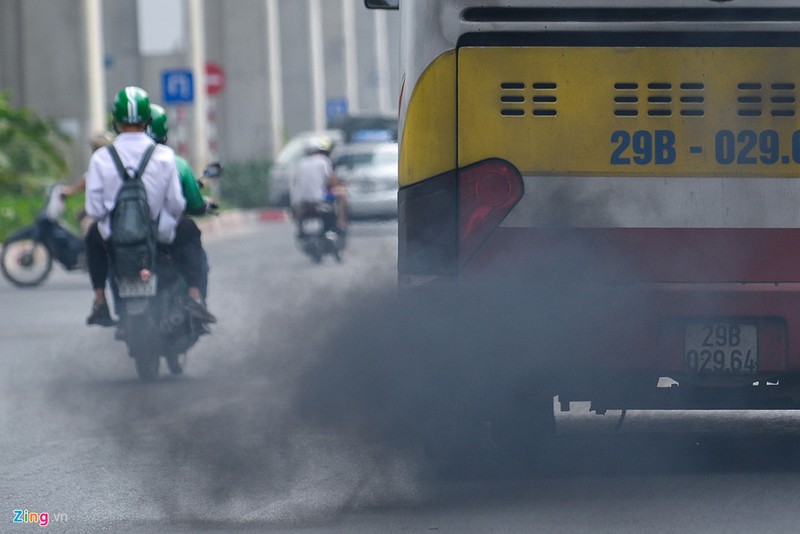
(133, 232)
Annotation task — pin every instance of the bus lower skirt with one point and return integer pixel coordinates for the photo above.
(766, 396)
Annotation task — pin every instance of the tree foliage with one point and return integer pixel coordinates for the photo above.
(245, 184)
(31, 149)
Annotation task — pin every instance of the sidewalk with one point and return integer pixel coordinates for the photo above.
(231, 221)
(234, 220)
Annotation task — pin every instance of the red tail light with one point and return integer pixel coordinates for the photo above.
(488, 191)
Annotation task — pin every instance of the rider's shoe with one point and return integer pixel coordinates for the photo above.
(198, 309)
(100, 315)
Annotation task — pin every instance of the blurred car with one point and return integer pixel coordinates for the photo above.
(282, 171)
(369, 172)
(366, 128)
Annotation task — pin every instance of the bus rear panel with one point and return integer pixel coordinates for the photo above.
(651, 152)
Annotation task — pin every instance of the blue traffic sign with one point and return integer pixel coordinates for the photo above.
(335, 107)
(177, 86)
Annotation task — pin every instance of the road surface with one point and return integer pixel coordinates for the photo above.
(264, 433)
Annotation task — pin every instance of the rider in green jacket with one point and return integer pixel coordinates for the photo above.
(195, 203)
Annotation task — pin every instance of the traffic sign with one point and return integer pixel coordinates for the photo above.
(177, 86)
(335, 107)
(215, 79)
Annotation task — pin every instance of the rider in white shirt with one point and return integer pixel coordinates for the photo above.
(160, 179)
(312, 175)
(132, 114)
(314, 183)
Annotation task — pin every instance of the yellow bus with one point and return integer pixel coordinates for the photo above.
(651, 148)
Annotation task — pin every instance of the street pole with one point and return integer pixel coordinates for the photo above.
(350, 57)
(382, 61)
(95, 73)
(275, 69)
(198, 62)
(317, 62)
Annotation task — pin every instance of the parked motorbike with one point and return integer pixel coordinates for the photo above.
(28, 253)
(155, 320)
(318, 236)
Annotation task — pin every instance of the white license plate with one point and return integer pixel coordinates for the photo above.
(131, 288)
(721, 348)
(312, 225)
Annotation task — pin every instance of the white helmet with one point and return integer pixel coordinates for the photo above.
(319, 144)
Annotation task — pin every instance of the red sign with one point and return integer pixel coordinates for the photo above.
(215, 79)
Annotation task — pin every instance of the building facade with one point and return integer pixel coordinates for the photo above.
(43, 66)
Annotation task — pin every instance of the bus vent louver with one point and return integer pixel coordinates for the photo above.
(692, 99)
(659, 99)
(544, 99)
(518, 99)
(755, 99)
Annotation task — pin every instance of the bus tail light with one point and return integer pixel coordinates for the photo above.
(427, 226)
(488, 191)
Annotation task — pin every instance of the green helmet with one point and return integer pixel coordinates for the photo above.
(131, 106)
(158, 128)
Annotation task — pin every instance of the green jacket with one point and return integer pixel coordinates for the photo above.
(195, 204)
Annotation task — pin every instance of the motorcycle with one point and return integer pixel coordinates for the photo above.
(156, 321)
(28, 253)
(318, 235)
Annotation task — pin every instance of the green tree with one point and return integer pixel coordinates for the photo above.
(31, 149)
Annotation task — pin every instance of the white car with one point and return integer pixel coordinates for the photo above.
(369, 172)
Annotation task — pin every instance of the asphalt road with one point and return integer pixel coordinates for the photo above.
(267, 431)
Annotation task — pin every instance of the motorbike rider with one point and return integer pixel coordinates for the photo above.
(131, 115)
(98, 141)
(195, 203)
(314, 183)
(87, 225)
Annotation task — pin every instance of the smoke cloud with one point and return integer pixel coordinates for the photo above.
(365, 397)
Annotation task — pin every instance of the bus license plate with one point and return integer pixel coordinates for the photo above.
(132, 288)
(721, 348)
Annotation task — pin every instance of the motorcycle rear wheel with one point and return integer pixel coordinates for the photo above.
(314, 249)
(26, 262)
(140, 347)
(176, 363)
(147, 368)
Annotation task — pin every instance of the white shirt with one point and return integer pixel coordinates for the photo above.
(160, 180)
(311, 177)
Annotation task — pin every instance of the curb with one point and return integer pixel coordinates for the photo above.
(273, 215)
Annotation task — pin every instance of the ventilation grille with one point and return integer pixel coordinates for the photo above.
(659, 99)
(687, 99)
(538, 99)
(654, 99)
(756, 99)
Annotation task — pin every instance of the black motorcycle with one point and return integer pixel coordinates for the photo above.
(28, 253)
(156, 321)
(318, 235)
(153, 311)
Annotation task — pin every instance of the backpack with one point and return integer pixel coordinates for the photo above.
(133, 232)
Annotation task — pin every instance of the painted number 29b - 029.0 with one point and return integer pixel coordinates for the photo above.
(643, 147)
(745, 147)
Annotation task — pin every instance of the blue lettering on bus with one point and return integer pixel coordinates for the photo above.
(644, 146)
(745, 147)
